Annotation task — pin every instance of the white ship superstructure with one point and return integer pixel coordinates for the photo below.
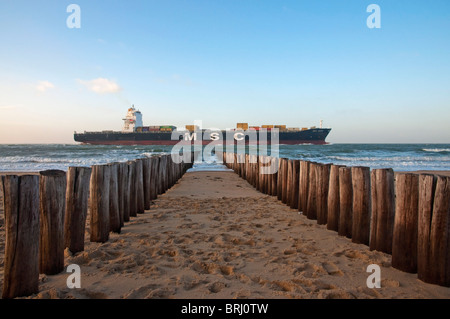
(132, 120)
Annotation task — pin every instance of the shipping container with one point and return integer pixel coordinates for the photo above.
(267, 126)
(281, 127)
(293, 129)
(242, 126)
(254, 128)
(191, 127)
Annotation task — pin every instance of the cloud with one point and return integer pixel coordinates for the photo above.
(101, 85)
(43, 86)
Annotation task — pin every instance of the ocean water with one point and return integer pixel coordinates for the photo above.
(400, 157)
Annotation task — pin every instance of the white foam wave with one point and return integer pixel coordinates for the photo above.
(436, 150)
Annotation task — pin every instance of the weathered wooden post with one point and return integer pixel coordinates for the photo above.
(139, 180)
(147, 175)
(21, 211)
(264, 177)
(323, 179)
(311, 209)
(284, 187)
(114, 214)
(383, 210)
(52, 192)
(123, 191)
(333, 204)
(132, 211)
(280, 178)
(154, 177)
(99, 203)
(294, 184)
(303, 186)
(256, 171)
(162, 174)
(274, 176)
(126, 191)
(434, 230)
(77, 202)
(361, 205)
(427, 189)
(404, 242)
(260, 175)
(345, 202)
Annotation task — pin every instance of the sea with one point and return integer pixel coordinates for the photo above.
(400, 157)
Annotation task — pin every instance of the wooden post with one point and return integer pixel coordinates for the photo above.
(122, 179)
(345, 202)
(264, 178)
(77, 196)
(427, 189)
(147, 173)
(126, 191)
(162, 174)
(323, 179)
(167, 173)
(114, 214)
(284, 189)
(257, 176)
(52, 192)
(303, 186)
(21, 211)
(287, 193)
(132, 211)
(294, 184)
(247, 171)
(333, 204)
(255, 171)
(154, 177)
(280, 179)
(404, 243)
(139, 180)
(361, 205)
(274, 176)
(383, 210)
(311, 209)
(99, 203)
(434, 237)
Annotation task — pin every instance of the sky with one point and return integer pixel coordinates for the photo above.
(223, 62)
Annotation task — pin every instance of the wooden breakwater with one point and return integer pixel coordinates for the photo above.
(406, 215)
(46, 213)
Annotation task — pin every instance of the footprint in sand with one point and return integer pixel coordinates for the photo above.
(332, 269)
(216, 286)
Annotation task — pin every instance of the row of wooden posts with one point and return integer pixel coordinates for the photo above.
(46, 213)
(406, 215)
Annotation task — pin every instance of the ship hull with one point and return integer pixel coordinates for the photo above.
(310, 136)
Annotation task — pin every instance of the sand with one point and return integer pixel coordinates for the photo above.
(213, 236)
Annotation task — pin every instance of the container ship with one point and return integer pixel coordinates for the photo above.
(135, 133)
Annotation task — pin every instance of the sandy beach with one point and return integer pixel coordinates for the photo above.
(213, 236)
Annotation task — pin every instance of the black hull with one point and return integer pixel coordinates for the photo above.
(310, 136)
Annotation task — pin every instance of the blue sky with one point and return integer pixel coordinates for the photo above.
(226, 61)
